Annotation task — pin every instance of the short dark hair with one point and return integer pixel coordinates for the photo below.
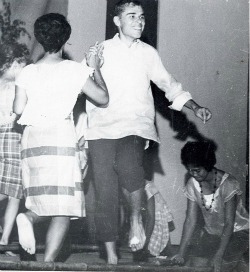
(121, 5)
(199, 154)
(52, 30)
(10, 52)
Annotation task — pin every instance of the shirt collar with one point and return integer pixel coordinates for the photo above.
(117, 39)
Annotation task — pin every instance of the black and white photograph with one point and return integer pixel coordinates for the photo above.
(124, 135)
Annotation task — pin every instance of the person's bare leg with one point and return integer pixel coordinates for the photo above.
(2, 197)
(56, 234)
(9, 219)
(137, 235)
(111, 252)
(8, 222)
(25, 229)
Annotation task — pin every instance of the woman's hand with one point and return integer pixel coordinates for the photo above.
(94, 58)
(81, 143)
(177, 259)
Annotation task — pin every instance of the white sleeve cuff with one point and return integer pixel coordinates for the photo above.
(180, 101)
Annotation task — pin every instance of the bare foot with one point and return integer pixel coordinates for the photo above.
(10, 254)
(7, 253)
(137, 235)
(112, 260)
(111, 253)
(26, 233)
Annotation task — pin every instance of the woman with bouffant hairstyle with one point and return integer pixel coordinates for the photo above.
(59, 32)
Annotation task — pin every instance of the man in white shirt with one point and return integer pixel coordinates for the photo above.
(117, 134)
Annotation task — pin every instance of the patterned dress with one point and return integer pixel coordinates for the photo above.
(50, 156)
(160, 235)
(10, 144)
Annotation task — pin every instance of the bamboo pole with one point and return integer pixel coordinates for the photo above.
(42, 266)
(40, 247)
(59, 266)
(56, 266)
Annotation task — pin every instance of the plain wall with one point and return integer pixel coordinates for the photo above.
(204, 44)
(88, 20)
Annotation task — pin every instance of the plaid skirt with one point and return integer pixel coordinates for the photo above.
(160, 235)
(10, 161)
(51, 171)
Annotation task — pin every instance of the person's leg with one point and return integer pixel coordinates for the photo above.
(25, 222)
(2, 197)
(144, 254)
(129, 163)
(150, 220)
(112, 257)
(102, 154)
(136, 235)
(56, 234)
(9, 219)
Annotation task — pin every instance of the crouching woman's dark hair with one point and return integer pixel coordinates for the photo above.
(52, 31)
(199, 154)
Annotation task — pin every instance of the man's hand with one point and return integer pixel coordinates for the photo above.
(203, 113)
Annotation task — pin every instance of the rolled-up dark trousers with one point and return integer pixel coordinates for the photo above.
(115, 162)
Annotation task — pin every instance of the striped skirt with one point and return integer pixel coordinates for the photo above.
(10, 162)
(51, 171)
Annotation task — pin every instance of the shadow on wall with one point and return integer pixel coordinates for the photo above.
(179, 122)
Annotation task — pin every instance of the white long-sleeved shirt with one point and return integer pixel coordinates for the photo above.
(127, 72)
